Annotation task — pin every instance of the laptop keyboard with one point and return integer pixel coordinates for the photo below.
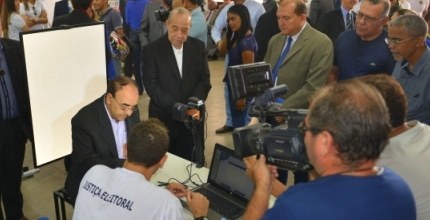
(222, 205)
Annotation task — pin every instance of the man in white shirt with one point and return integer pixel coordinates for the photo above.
(408, 152)
(126, 193)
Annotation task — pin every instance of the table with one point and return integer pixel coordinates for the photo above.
(176, 167)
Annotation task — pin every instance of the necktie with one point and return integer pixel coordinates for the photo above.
(348, 25)
(281, 59)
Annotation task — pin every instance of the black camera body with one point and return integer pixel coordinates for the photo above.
(181, 111)
(162, 14)
(282, 145)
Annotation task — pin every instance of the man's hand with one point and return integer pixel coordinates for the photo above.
(194, 113)
(260, 174)
(177, 189)
(240, 104)
(198, 204)
(259, 171)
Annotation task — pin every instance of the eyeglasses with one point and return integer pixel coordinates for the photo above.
(303, 128)
(396, 42)
(125, 107)
(367, 18)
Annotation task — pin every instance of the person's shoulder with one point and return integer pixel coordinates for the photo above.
(98, 170)
(347, 36)
(316, 35)
(253, 4)
(90, 109)
(155, 45)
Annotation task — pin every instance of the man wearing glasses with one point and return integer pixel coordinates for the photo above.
(345, 131)
(99, 130)
(363, 51)
(407, 41)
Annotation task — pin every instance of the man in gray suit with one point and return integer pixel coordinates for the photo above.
(152, 28)
(305, 68)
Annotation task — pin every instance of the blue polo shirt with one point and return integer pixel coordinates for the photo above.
(134, 12)
(356, 57)
(416, 83)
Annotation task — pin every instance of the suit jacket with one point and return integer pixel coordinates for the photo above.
(306, 66)
(61, 8)
(318, 8)
(162, 79)
(332, 24)
(93, 142)
(74, 17)
(152, 28)
(15, 62)
(266, 27)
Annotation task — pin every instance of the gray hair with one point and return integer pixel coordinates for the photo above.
(414, 25)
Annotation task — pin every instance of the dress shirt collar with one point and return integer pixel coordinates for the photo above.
(417, 69)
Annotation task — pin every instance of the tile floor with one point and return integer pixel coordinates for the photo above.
(37, 190)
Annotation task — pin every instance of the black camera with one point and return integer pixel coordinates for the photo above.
(282, 145)
(162, 14)
(184, 112)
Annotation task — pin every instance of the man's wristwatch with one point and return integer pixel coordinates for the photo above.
(201, 218)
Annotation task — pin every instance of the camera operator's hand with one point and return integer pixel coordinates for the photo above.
(258, 170)
(240, 104)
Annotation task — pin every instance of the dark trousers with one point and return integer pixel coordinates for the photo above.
(12, 148)
(137, 54)
(182, 142)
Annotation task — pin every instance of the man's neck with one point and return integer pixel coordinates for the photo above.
(146, 172)
(399, 130)
(373, 37)
(366, 168)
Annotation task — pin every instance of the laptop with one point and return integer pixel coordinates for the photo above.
(228, 187)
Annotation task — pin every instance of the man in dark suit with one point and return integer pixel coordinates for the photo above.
(318, 8)
(335, 22)
(175, 68)
(79, 15)
(267, 26)
(15, 127)
(99, 130)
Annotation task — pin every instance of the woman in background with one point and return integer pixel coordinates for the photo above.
(241, 47)
(34, 13)
(11, 21)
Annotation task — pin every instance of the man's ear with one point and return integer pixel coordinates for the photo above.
(325, 143)
(162, 161)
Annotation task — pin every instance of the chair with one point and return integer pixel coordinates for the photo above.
(60, 197)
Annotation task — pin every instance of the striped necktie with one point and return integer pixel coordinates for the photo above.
(349, 25)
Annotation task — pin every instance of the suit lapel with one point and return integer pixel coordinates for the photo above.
(106, 128)
(299, 44)
(170, 57)
(340, 20)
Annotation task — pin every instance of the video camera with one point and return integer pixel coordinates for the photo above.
(163, 13)
(282, 145)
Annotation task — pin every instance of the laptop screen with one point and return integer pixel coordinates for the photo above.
(229, 173)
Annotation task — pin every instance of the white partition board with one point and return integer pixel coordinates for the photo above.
(66, 70)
